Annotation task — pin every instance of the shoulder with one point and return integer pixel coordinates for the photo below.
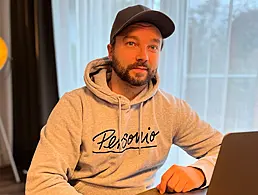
(167, 98)
(76, 94)
(169, 101)
(72, 99)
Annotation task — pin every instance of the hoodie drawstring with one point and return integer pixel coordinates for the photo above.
(120, 122)
(140, 128)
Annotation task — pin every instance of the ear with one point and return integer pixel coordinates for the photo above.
(110, 51)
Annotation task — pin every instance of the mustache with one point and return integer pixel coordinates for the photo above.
(138, 64)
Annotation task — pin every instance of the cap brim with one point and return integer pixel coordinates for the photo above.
(165, 25)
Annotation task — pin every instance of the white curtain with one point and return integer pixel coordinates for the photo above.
(211, 61)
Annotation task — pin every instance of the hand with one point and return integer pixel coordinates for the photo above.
(181, 179)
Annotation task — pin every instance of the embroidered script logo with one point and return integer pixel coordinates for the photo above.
(108, 141)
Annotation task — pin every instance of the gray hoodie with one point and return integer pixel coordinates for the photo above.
(98, 142)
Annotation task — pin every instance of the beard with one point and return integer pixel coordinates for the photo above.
(124, 73)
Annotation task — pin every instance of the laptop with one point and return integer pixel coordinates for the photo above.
(236, 170)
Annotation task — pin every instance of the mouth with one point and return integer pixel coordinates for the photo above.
(140, 68)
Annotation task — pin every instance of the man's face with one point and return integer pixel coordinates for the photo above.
(135, 55)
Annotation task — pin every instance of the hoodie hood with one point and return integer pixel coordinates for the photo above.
(98, 73)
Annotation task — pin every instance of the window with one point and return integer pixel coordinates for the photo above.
(211, 61)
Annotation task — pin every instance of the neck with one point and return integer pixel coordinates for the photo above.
(121, 87)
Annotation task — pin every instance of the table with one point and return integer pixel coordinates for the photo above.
(154, 191)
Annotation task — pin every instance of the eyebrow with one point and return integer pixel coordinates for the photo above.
(136, 38)
(156, 41)
(130, 37)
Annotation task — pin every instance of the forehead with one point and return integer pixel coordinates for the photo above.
(141, 26)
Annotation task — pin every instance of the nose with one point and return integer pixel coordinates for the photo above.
(142, 55)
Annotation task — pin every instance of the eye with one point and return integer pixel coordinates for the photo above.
(131, 43)
(154, 48)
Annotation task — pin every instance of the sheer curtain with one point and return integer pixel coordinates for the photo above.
(210, 61)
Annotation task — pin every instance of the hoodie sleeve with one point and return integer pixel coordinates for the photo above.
(198, 139)
(58, 150)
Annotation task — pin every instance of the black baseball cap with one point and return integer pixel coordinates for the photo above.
(140, 13)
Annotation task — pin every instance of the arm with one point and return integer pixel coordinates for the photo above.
(199, 140)
(58, 150)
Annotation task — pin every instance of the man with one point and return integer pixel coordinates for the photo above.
(111, 136)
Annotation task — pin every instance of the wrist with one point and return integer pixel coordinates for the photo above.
(201, 176)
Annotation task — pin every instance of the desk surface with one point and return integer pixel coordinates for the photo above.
(154, 191)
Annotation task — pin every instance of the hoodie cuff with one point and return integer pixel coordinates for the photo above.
(207, 168)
